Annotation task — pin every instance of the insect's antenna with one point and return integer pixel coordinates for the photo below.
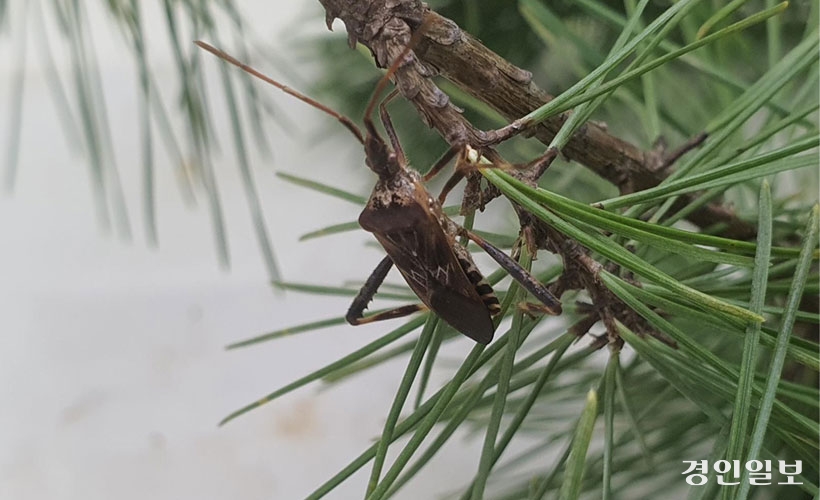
(284, 88)
(414, 40)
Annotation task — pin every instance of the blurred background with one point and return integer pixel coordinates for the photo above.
(113, 355)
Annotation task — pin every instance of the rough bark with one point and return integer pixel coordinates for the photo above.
(385, 27)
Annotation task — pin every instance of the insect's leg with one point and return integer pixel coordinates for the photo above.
(398, 312)
(533, 170)
(449, 185)
(388, 126)
(462, 163)
(442, 162)
(533, 309)
(415, 38)
(551, 303)
(355, 314)
(465, 165)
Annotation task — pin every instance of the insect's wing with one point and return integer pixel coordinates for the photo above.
(418, 246)
(466, 315)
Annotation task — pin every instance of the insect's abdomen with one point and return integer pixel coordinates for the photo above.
(482, 287)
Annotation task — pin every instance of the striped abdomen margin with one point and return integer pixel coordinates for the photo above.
(485, 291)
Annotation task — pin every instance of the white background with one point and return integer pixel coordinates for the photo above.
(112, 358)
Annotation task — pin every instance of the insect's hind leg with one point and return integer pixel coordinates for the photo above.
(551, 303)
(355, 314)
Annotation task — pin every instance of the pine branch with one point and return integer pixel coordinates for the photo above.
(385, 27)
(445, 49)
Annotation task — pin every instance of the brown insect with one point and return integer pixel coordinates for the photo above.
(420, 240)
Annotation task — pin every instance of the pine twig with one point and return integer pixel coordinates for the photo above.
(385, 28)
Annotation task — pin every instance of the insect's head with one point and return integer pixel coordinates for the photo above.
(379, 157)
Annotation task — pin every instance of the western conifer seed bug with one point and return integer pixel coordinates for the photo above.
(420, 240)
